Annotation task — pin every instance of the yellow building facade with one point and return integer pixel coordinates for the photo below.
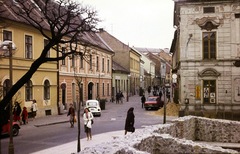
(43, 85)
(134, 72)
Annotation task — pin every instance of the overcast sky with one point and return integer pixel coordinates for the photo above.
(139, 23)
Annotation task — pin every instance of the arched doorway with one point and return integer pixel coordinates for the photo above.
(90, 90)
(6, 87)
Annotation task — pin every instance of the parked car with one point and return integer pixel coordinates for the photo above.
(94, 107)
(6, 128)
(153, 102)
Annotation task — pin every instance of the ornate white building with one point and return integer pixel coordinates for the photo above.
(206, 53)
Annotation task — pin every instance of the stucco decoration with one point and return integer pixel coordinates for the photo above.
(209, 72)
(209, 24)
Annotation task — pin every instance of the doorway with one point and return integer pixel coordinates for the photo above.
(90, 90)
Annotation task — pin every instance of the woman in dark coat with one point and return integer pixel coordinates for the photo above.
(129, 120)
(16, 112)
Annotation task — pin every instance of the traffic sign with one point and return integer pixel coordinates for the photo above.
(174, 76)
(174, 85)
(174, 80)
(63, 86)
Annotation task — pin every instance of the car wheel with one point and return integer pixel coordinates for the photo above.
(15, 130)
(146, 108)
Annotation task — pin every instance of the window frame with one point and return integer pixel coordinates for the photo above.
(29, 91)
(73, 60)
(28, 46)
(97, 61)
(6, 87)
(209, 39)
(46, 90)
(108, 90)
(46, 41)
(81, 62)
(63, 52)
(209, 9)
(7, 33)
(103, 92)
(90, 61)
(108, 65)
(103, 64)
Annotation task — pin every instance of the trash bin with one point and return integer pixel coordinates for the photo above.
(102, 104)
(181, 113)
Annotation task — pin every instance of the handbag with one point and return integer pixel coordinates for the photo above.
(92, 121)
(89, 125)
(75, 119)
(131, 129)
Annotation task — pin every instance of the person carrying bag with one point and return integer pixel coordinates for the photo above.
(88, 117)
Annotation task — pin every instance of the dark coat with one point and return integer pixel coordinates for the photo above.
(71, 111)
(143, 99)
(130, 118)
(18, 111)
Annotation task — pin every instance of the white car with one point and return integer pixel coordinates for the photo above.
(94, 107)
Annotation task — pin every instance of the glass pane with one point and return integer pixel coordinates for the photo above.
(212, 35)
(206, 100)
(205, 35)
(205, 83)
(212, 89)
(212, 83)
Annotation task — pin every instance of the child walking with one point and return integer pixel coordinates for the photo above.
(24, 115)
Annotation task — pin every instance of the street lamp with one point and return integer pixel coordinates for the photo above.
(9, 46)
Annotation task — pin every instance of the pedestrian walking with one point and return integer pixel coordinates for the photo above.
(88, 117)
(149, 90)
(71, 112)
(117, 98)
(16, 112)
(98, 98)
(160, 94)
(129, 123)
(121, 97)
(34, 109)
(24, 115)
(143, 99)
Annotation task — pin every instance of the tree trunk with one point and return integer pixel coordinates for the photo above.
(35, 65)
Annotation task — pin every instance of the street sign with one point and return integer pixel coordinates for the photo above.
(63, 86)
(174, 85)
(174, 75)
(174, 80)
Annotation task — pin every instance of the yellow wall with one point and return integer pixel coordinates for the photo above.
(21, 65)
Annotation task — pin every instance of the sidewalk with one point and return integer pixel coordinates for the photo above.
(71, 147)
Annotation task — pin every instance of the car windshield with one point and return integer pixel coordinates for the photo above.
(152, 99)
(92, 103)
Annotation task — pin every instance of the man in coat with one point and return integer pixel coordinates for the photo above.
(143, 99)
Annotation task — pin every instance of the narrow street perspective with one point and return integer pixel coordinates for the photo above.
(119, 76)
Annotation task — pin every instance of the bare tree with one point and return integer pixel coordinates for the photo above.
(66, 20)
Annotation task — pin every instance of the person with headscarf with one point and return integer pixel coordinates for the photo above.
(129, 124)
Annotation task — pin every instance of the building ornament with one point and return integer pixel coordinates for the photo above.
(209, 72)
(209, 25)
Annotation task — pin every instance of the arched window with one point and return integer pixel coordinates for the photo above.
(28, 91)
(6, 87)
(46, 90)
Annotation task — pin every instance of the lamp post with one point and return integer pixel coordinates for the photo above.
(7, 47)
(11, 146)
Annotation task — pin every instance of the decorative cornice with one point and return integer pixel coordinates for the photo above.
(209, 25)
(209, 72)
